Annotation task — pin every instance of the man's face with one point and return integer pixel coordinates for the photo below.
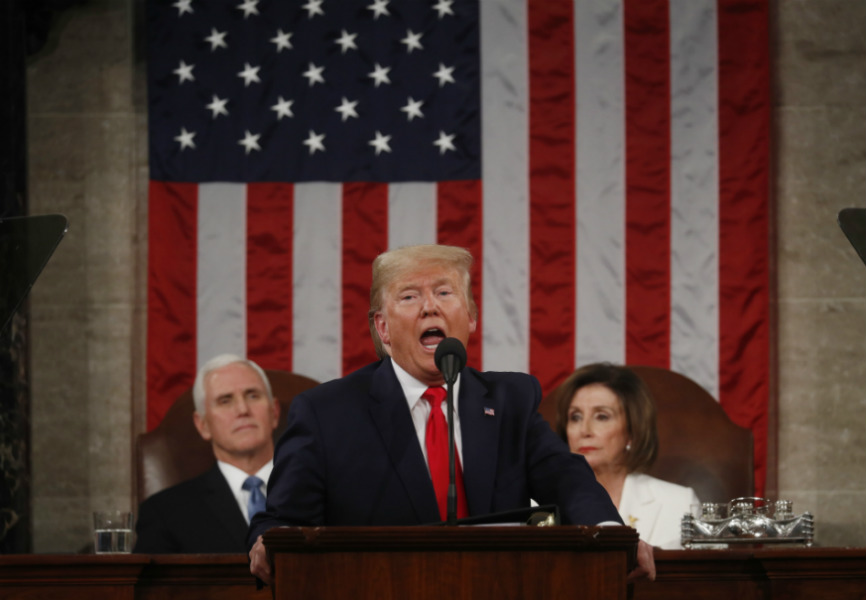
(239, 420)
(420, 309)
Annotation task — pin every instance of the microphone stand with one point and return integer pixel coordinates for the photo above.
(450, 359)
(452, 460)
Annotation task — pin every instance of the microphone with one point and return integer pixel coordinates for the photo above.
(450, 358)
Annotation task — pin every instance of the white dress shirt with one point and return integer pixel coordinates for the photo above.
(420, 408)
(236, 478)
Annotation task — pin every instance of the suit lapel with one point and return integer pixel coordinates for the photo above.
(391, 416)
(221, 501)
(480, 416)
(640, 508)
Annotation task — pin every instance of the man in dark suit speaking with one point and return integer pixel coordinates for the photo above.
(367, 449)
(236, 412)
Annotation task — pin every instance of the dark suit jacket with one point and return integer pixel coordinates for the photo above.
(350, 456)
(198, 516)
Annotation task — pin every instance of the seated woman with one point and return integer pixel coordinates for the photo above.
(606, 413)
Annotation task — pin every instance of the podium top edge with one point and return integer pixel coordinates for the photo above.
(498, 538)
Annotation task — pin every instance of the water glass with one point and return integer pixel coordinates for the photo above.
(112, 532)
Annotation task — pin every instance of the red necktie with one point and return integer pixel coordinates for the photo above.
(437, 455)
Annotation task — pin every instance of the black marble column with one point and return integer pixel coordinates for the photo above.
(14, 388)
(25, 26)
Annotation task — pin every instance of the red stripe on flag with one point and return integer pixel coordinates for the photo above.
(551, 191)
(171, 295)
(744, 236)
(648, 228)
(460, 223)
(270, 224)
(365, 236)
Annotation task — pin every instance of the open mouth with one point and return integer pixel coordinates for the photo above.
(431, 338)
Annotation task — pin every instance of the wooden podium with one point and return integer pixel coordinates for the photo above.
(523, 563)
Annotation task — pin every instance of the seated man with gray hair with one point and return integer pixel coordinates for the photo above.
(236, 412)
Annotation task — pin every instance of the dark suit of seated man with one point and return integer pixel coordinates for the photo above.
(357, 450)
(235, 411)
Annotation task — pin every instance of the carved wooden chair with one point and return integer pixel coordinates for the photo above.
(174, 451)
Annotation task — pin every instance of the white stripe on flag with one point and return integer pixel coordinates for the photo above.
(694, 192)
(505, 182)
(600, 93)
(316, 269)
(411, 214)
(221, 272)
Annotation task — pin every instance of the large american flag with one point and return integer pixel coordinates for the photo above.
(606, 161)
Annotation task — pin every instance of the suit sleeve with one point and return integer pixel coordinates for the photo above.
(296, 488)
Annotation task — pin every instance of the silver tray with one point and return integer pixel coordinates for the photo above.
(749, 520)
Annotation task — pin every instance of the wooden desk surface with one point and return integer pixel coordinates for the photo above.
(747, 574)
(789, 573)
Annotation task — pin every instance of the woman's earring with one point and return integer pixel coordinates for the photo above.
(628, 447)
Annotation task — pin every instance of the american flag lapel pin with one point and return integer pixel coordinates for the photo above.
(489, 411)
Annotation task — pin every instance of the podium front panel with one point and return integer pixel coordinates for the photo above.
(520, 563)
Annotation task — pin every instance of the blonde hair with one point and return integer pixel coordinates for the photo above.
(393, 264)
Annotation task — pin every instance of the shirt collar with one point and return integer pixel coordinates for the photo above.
(236, 477)
(412, 388)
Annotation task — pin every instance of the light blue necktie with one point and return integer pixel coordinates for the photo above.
(256, 503)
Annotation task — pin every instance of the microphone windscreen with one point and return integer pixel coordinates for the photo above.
(450, 347)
